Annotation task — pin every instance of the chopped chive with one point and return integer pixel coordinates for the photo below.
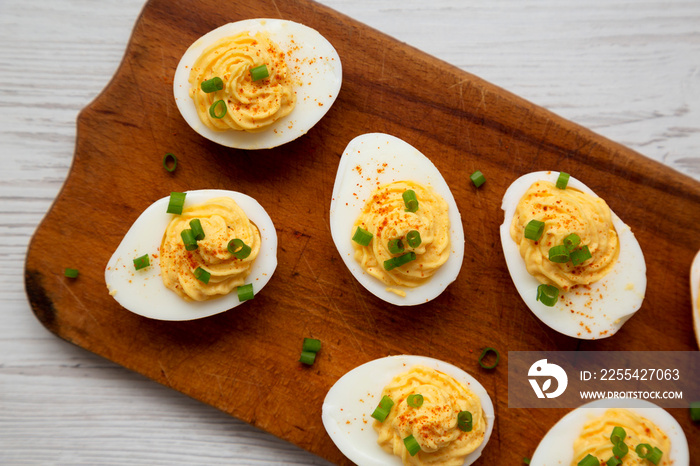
(188, 239)
(559, 254)
(526, 460)
(464, 421)
(311, 344)
(581, 255)
(212, 85)
(547, 294)
(383, 408)
(613, 461)
(395, 246)
(245, 292)
(572, 241)
(176, 203)
(202, 275)
(695, 411)
(362, 237)
(259, 72)
(218, 109)
(589, 460)
(618, 435)
(415, 400)
(238, 248)
(398, 261)
(478, 178)
(170, 162)
(307, 357)
(197, 230)
(534, 230)
(485, 353)
(413, 238)
(411, 445)
(643, 450)
(410, 200)
(655, 455)
(70, 273)
(142, 262)
(562, 180)
(620, 449)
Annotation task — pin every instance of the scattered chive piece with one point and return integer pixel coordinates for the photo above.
(142, 262)
(177, 201)
(655, 455)
(526, 460)
(534, 230)
(311, 344)
(170, 162)
(70, 273)
(197, 230)
(259, 72)
(589, 460)
(413, 238)
(307, 357)
(238, 249)
(618, 435)
(415, 400)
(362, 236)
(485, 353)
(396, 246)
(212, 85)
(245, 292)
(218, 109)
(202, 275)
(643, 450)
(579, 256)
(383, 408)
(620, 450)
(464, 421)
(547, 294)
(695, 411)
(188, 239)
(613, 461)
(572, 241)
(410, 200)
(478, 178)
(398, 261)
(563, 180)
(559, 254)
(411, 445)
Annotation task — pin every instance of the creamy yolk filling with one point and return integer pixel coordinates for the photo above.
(434, 423)
(222, 220)
(565, 211)
(384, 216)
(251, 105)
(595, 438)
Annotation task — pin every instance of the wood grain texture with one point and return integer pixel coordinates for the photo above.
(482, 110)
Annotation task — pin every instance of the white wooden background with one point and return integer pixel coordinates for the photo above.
(627, 69)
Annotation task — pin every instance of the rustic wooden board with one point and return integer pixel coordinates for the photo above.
(244, 362)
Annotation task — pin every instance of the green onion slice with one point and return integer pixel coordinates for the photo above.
(579, 256)
(643, 450)
(572, 241)
(618, 435)
(142, 262)
(238, 249)
(695, 411)
(563, 180)
(526, 460)
(212, 85)
(398, 261)
(188, 239)
(559, 254)
(413, 238)
(176, 203)
(170, 162)
(197, 230)
(218, 109)
(534, 230)
(613, 461)
(383, 408)
(362, 236)
(311, 344)
(410, 200)
(245, 292)
(485, 353)
(259, 72)
(464, 421)
(202, 275)
(478, 178)
(70, 273)
(655, 455)
(396, 246)
(620, 449)
(547, 294)
(411, 445)
(589, 460)
(415, 400)
(307, 357)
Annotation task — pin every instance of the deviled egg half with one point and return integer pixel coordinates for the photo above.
(394, 220)
(588, 431)
(215, 252)
(575, 264)
(408, 410)
(257, 83)
(695, 294)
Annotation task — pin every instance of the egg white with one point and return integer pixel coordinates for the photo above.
(353, 187)
(622, 289)
(312, 60)
(557, 446)
(142, 291)
(348, 407)
(695, 294)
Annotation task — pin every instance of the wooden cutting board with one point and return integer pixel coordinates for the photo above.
(245, 361)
